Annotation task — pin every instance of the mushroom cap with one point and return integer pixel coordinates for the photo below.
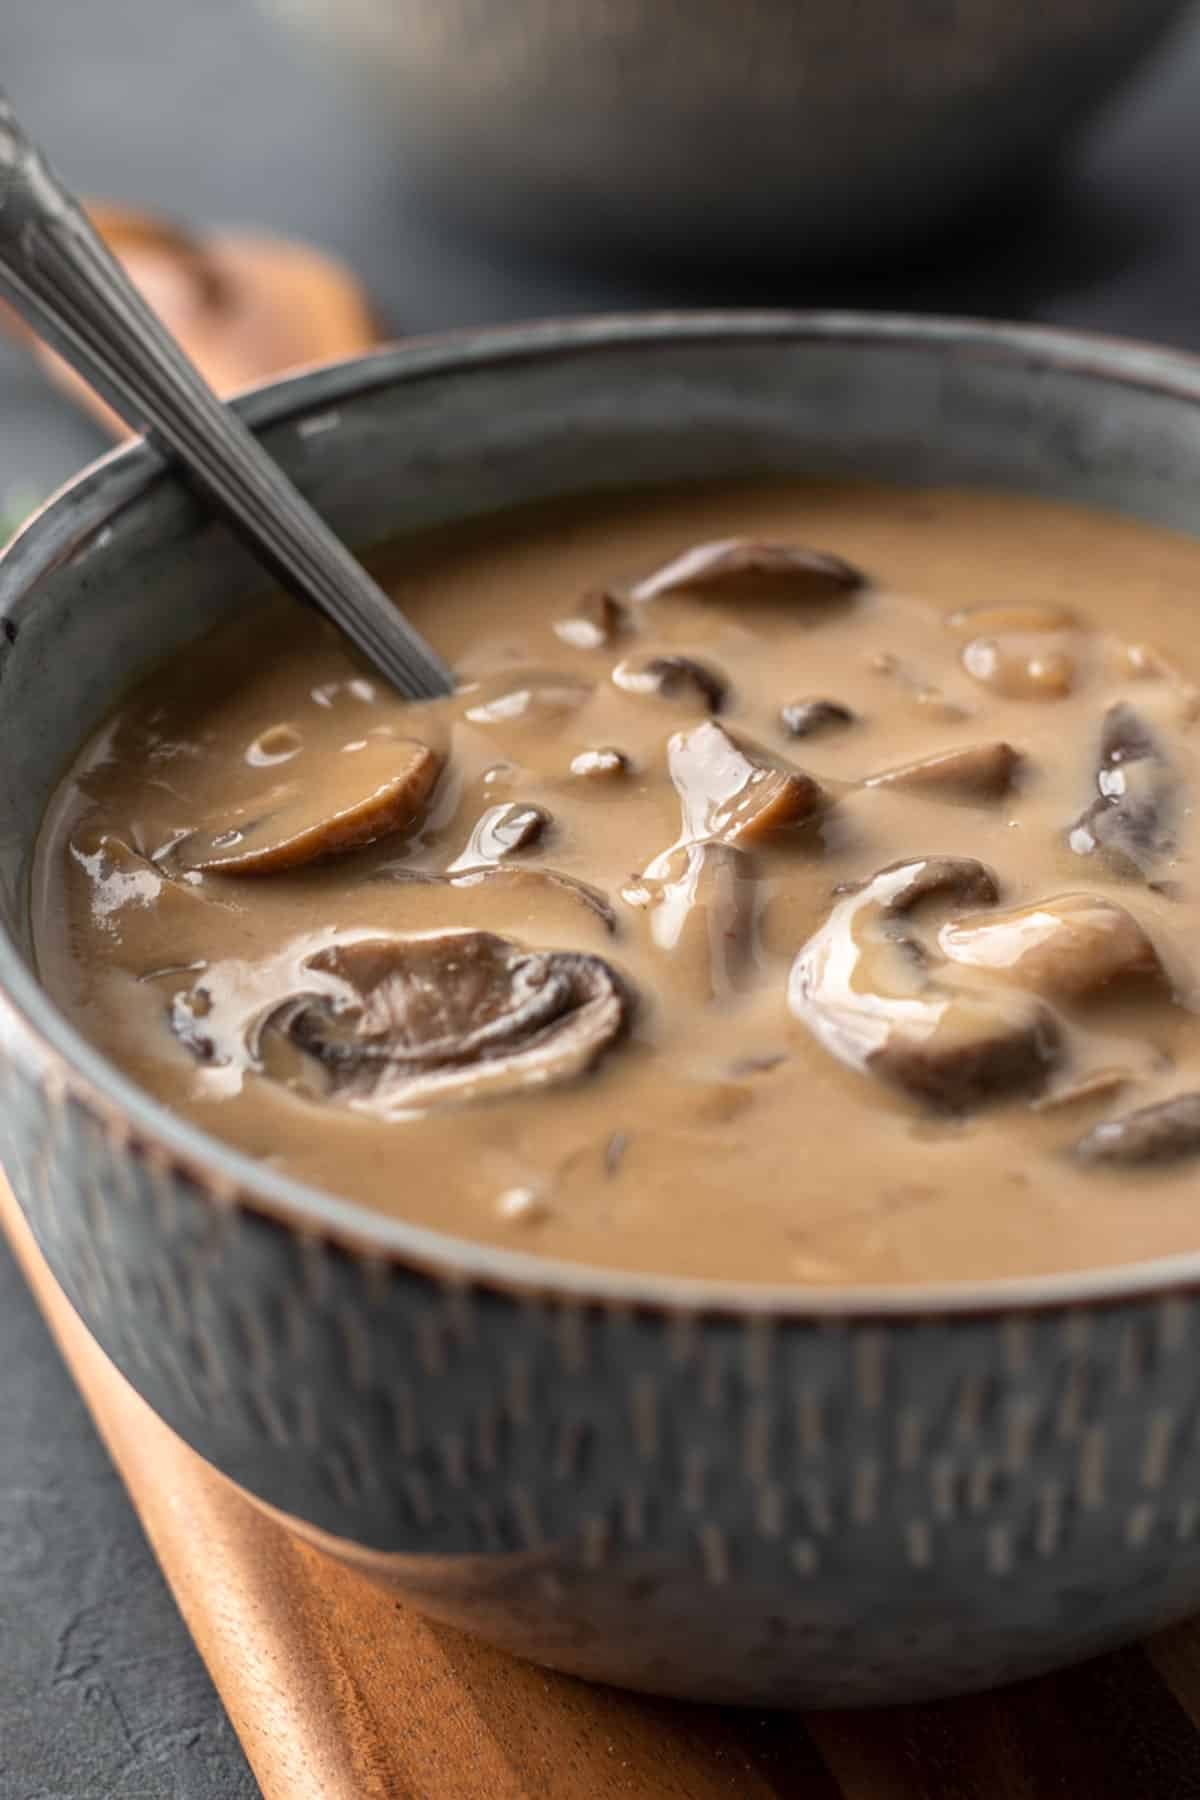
(345, 801)
(733, 791)
(1070, 947)
(972, 774)
(399, 1023)
(866, 990)
(676, 678)
(750, 569)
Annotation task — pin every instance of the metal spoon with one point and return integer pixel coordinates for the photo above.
(68, 286)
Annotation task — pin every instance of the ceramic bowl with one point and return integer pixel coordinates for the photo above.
(790, 131)
(758, 1494)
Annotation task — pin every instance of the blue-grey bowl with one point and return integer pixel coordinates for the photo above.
(757, 1494)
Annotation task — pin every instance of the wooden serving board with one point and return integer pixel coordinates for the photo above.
(339, 1693)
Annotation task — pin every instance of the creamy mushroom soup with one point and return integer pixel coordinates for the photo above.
(800, 886)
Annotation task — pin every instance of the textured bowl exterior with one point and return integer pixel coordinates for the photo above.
(709, 1490)
(793, 130)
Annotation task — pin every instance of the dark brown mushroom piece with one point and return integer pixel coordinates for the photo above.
(397, 1023)
(749, 569)
(371, 790)
(1130, 826)
(504, 830)
(1166, 1132)
(734, 792)
(677, 678)
(876, 998)
(597, 621)
(971, 775)
(814, 718)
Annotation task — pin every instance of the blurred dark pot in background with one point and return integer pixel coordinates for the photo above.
(803, 131)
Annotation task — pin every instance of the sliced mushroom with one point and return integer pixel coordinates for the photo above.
(703, 906)
(974, 773)
(1070, 947)
(1018, 669)
(734, 792)
(533, 889)
(869, 992)
(678, 678)
(597, 621)
(903, 886)
(504, 830)
(602, 765)
(429, 1021)
(352, 798)
(748, 569)
(1164, 1133)
(1130, 824)
(813, 718)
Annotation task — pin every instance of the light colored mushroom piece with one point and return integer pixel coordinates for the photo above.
(702, 915)
(734, 792)
(814, 717)
(1020, 666)
(974, 773)
(1069, 947)
(604, 765)
(353, 797)
(869, 993)
(597, 621)
(398, 1023)
(748, 569)
(504, 830)
(680, 679)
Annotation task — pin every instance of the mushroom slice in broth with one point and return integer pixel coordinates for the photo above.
(356, 795)
(751, 569)
(429, 1021)
(1070, 947)
(1166, 1132)
(734, 792)
(1130, 826)
(972, 774)
(869, 991)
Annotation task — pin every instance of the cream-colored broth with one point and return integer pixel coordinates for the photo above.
(720, 1136)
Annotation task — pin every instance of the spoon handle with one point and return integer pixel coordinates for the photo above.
(61, 277)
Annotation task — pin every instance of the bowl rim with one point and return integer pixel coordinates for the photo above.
(70, 1064)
